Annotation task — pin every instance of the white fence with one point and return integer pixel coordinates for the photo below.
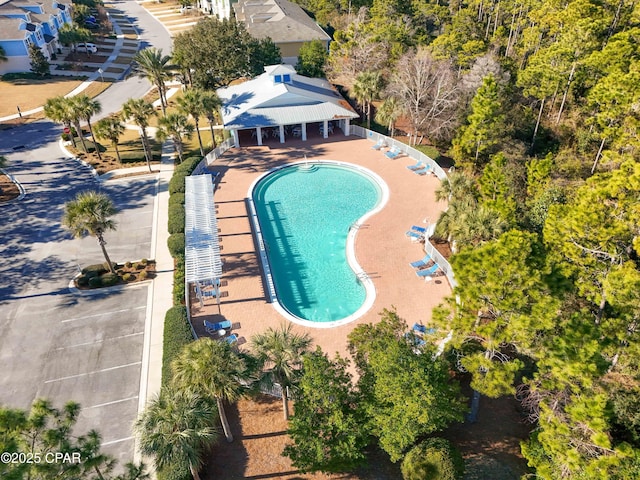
(218, 151)
(411, 152)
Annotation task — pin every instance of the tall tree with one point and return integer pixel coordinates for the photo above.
(397, 382)
(210, 105)
(498, 309)
(177, 426)
(327, 428)
(39, 63)
(280, 353)
(87, 107)
(427, 91)
(111, 128)
(177, 127)
(366, 89)
(210, 367)
(485, 125)
(139, 110)
(311, 59)
(58, 110)
(152, 64)
(388, 114)
(90, 214)
(192, 102)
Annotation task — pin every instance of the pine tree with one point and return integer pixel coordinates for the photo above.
(39, 63)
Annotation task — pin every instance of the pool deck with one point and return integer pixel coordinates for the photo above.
(382, 249)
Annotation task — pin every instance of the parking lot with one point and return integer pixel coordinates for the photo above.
(60, 344)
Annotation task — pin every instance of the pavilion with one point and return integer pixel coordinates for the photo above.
(281, 104)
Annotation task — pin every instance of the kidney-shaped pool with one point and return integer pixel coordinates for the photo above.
(308, 216)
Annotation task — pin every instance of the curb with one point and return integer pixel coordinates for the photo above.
(98, 291)
(18, 184)
(68, 154)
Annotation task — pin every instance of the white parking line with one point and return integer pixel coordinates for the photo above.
(91, 373)
(102, 314)
(100, 341)
(117, 441)
(111, 403)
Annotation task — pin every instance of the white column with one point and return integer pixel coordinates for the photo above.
(281, 133)
(304, 132)
(346, 127)
(236, 142)
(325, 129)
(259, 134)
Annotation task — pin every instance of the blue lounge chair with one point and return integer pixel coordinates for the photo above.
(393, 153)
(418, 229)
(231, 339)
(417, 166)
(414, 236)
(379, 144)
(420, 329)
(421, 263)
(216, 327)
(423, 171)
(427, 272)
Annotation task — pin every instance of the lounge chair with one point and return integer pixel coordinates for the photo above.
(418, 229)
(423, 171)
(427, 272)
(420, 329)
(213, 328)
(231, 339)
(414, 236)
(379, 144)
(394, 152)
(417, 166)
(421, 263)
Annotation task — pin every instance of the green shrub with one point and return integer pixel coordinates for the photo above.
(109, 279)
(127, 264)
(177, 334)
(136, 266)
(175, 223)
(94, 270)
(176, 244)
(105, 266)
(178, 470)
(95, 282)
(176, 184)
(176, 198)
(433, 459)
(143, 275)
(127, 277)
(82, 281)
(144, 261)
(178, 282)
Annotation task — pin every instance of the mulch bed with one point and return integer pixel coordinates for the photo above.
(8, 189)
(131, 269)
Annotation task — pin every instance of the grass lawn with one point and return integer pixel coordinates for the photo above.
(29, 94)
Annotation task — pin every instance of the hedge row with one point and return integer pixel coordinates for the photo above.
(177, 331)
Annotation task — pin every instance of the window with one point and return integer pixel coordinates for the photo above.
(277, 78)
(286, 78)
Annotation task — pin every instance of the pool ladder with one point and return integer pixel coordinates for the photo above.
(308, 167)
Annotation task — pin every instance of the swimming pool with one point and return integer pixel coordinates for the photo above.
(306, 217)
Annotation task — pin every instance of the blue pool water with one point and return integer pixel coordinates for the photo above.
(305, 212)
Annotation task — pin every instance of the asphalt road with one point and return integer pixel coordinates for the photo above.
(58, 344)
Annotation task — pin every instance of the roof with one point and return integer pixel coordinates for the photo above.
(10, 29)
(261, 102)
(280, 20)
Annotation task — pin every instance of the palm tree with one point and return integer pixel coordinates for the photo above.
(177, 426)
(210, 105)
(76, 112)
(366, 89)
(280, 351)
(139, 110)
(153, 65)
(87, 108)
(111, 128)
(89, 214)
(388, 114)
(3, 161)
(58, 110)
(177, 127)
(458, 186)
(212, 367)
(192, 103)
